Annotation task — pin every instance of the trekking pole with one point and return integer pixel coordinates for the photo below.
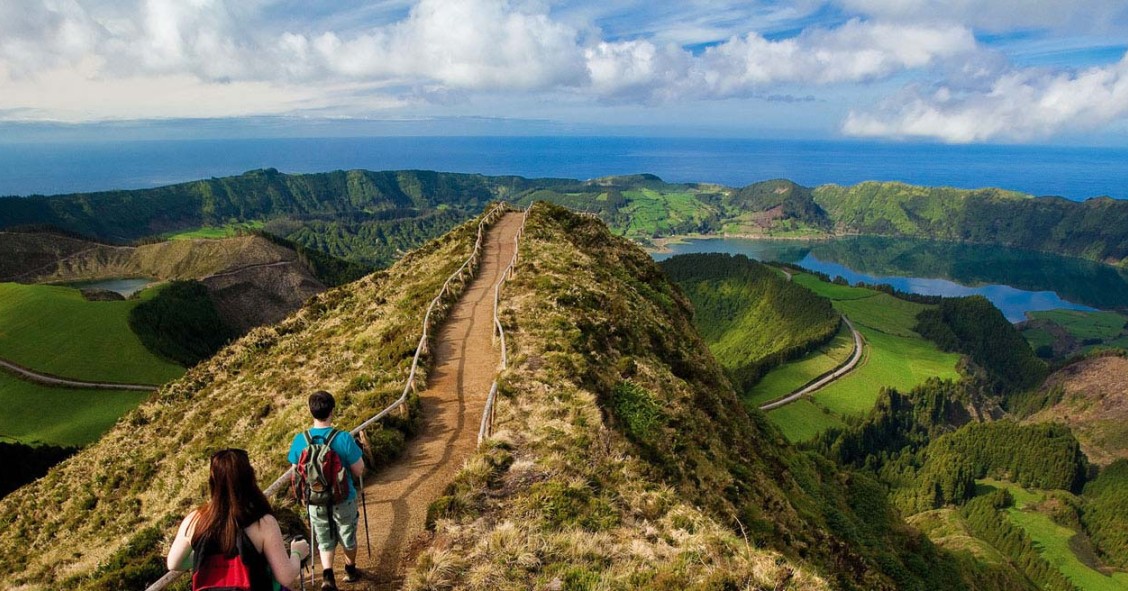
(301, 564)
(312, 545)
(364, 505)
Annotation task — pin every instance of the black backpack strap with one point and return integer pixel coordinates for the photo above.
(308, 437)
(331, 436)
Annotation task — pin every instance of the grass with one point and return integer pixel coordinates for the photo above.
(791, 376)
(884, 313)
(1053, 540)
(889, 362)
(55, 330)
(216, 232)
(60, 416)
(802, 420)
(832, 290)
(1086, 325)
(895, 357)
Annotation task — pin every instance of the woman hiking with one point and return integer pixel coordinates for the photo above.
(233, 540)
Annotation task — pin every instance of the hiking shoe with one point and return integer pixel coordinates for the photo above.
(328, 583)
(352, 574)
(328, 586)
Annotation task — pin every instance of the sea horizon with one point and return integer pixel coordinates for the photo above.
(1077, 173)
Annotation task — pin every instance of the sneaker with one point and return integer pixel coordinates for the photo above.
(352, 574)
(328, 586)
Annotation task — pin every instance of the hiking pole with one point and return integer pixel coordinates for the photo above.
(301, 564)
(364, 505)
(312, 545)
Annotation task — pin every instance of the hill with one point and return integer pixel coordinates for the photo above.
(622, 458)
(99, 519)
(373, 217)
(1091, 397)
(751, 316)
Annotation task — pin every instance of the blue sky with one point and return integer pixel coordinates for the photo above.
(956, 71)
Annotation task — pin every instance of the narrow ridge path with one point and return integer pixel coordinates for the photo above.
(466, 363)
(52, 380)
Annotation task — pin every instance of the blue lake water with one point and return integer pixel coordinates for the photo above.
(1016, 281)
(1076, 173)
(125, 287)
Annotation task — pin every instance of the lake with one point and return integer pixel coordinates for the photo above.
(126, 287)
(1016, 281)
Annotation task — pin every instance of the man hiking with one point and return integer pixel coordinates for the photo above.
(332, 503)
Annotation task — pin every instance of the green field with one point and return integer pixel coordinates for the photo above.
(60, 416)
(895, 357)
(1053, 540)
(891, 362)
(791, 376)
(55, 330)
(215, 232)
(1086, 325)
(801, 420)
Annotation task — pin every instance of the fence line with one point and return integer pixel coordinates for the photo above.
(486, 428)
(467, 267)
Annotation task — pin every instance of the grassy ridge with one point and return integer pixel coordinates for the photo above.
(752, 318)
(56, 331)
(792, 376)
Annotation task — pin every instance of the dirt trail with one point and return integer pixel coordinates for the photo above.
(466, 362)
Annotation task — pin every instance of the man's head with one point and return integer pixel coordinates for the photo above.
(321, 405)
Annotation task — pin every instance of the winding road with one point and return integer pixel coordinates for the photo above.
(846, 368)
(50, 380)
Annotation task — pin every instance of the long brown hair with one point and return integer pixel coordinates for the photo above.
(236, 501)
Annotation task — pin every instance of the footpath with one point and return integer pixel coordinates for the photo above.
(466, 363)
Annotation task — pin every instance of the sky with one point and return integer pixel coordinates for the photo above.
(949, 71)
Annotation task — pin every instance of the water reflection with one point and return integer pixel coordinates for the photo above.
(1017, 281)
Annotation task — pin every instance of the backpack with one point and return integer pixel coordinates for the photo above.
(319, 477)
(247, 570)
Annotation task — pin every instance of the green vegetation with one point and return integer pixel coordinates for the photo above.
(1058, 544)
(1056, 334)
(60, 416)
(1105, 514)
(1093, 229)
(975, 327)
(214, 232)
(55, 330)
(180, 323)
(103, 519)
(752, 319)
(791, 376)
(1045, 456)
(803, 420)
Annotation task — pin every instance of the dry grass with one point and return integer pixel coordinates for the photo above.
(102, 519)
(559, 498)
(1094, 404)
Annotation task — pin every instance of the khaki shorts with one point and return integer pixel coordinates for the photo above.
(344, 525)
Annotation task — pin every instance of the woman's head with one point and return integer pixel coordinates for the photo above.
(235, 500)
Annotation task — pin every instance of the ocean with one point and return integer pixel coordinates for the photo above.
(1072, 172)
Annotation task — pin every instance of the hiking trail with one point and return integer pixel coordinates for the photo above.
(466, 363)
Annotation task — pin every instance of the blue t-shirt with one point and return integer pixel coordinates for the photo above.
(343, 444)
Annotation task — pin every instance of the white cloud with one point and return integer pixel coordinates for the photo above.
(1021, 104)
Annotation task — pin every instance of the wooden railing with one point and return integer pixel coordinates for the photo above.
(486, 428)
(447, 292)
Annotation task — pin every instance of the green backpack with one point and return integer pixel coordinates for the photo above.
(320, 477)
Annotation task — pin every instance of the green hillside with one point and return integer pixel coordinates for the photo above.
(752, 318)
(623, 458)
(55, 330)
(373, 217)
(60, 416)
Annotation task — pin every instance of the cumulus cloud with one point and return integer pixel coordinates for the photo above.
(1021, 104)
(440, 47)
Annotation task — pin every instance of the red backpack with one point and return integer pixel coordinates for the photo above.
(247, 570)
(319, 477)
